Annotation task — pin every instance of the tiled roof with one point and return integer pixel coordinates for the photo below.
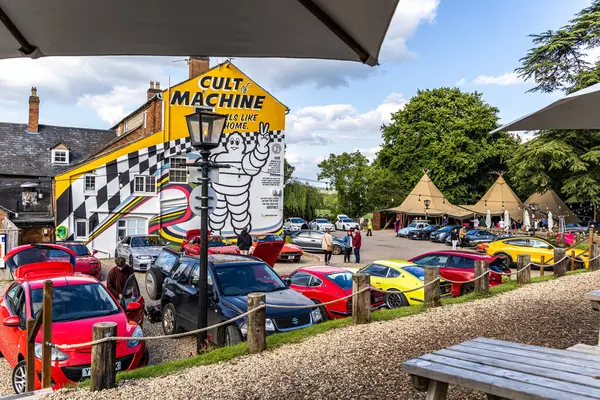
(25, 153)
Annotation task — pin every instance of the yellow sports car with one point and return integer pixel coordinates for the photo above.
(509, 248)
(399, 275)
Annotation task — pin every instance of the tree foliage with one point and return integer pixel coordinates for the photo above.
(445, 131)
(288, 171)
(300, 200)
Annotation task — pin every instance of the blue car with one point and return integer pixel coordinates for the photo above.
(230, 279)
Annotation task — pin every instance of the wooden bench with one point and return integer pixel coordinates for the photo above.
(594, 298)
(507, 370)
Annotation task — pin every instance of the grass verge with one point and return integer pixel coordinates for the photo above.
(274, 341)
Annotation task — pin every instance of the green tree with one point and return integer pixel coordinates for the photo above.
(288, 171)
(300, 200)
(447, 132)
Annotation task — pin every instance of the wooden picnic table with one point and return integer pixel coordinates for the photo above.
(507, 370)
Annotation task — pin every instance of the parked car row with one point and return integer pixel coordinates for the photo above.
(422, 230)
(342, 223)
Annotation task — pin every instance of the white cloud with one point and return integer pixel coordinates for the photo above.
(325, 124)
(461, 82)
(510, 78)
(112, 106)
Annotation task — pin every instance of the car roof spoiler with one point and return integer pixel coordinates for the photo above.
(43, 270)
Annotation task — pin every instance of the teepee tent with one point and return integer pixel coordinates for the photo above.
(549, 201)
(414, 204)
(497, 199)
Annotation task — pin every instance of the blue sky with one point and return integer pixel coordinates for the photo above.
(335, 106)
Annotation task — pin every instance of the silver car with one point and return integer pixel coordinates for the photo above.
(320, 224)
(140, 251)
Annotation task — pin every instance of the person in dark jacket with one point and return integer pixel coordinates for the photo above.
(348, 248)
(454, 238)
(356, 243)
(117, 277)
(244, 242)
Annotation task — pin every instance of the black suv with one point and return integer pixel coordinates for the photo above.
(230, 279)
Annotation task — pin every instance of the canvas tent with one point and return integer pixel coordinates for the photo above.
(414, 204)
(498, 198)
(549, 201)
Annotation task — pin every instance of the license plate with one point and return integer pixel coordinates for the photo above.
(87, 372)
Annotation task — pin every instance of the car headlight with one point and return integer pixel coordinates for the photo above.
(144, 257)
(316, 315)
(137, 333)
(269, 325)
(56, 355)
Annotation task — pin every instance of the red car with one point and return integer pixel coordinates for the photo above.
(460, 266)
(79, 301)
(86, 263)
(324, 284)
(216, 244)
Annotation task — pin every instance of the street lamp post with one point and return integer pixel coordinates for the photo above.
(205, 129)
(533, 207)
(427, 203)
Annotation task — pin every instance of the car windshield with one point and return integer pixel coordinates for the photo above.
(446, 229)
(430, 227)
(79, 249)
(39, 254)
(346, 220)
(342, 279)
(270, 238)
(412, 225)
(418, 272)
(322, 221)
(74, 302)
(473, 232)
(241, 278)
(297, 220)
(146, 241)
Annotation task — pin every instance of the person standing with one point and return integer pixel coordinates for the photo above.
(327, 246)
(461, 235)
(117, 277)
(454, 238)
(244, 242)
(397, 225)
(348, 246)
(361, 222)
(356, 243)
(475, 223)
(369, 227)
(444, 220)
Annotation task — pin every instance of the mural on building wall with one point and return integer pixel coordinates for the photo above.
(248, 193)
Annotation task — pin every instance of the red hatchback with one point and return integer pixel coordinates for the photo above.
(79, 301)
(324, 284)
(86, 262)
(460, 266)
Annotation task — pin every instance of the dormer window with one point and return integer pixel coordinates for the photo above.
(60, 156)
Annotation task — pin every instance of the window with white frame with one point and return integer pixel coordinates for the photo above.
(60, 156)
(131, 226)
(81, 228)
(144, 185)
(90, 184)
(178, 170)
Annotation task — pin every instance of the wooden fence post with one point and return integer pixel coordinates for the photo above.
(432, 291)
(542, 263)
(361, 303)
(523, 277)
(257, 335)
(560, 269)
(572, 260)
(482, 285)
(46, 333)
(30, 360)
(103, 357)
(595, 252)
(591, 239)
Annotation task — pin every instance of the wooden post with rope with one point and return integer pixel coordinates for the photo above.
(46, 333)
(30, 359)
(595, 254)
(432, 291)
(361, 303)
(560, 268)
(572, 260)
(542, 262)
(103, 357)
(257, 334)
(482, 284)
(523, 263)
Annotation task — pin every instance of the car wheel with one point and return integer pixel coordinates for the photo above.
(337, 249)
(467, 288)
(233, 336)
(395, 300)
(505, 260)
(324, 315)
(579, 264)
(131, 261)
(169, 322)
(154, 283)
(19, 377)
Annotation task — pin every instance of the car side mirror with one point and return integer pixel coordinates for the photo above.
(13, 320)
(133, 306)
(94, 252)
(287, 281)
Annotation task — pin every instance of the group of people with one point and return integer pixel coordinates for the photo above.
(352, 242)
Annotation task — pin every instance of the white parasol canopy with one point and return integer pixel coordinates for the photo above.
(488, 219)
(550, 221)
(526, 220)
(326, 29)
(579, 110)
(506, 220)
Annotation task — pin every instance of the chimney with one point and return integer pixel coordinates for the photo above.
(198, 65)
(34, 111)
(154, 89)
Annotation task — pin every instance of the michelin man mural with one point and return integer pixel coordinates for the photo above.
(233, 188)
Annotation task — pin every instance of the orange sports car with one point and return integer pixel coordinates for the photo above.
(289, 252)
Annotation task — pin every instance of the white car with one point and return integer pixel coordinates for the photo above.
(412, 227)
(320, 224)
(293, 224)
(344, 223)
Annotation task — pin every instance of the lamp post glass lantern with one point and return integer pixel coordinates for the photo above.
(205, 129)
(427, 203)
(533, 207)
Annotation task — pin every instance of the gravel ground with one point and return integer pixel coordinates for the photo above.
(365, 361)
